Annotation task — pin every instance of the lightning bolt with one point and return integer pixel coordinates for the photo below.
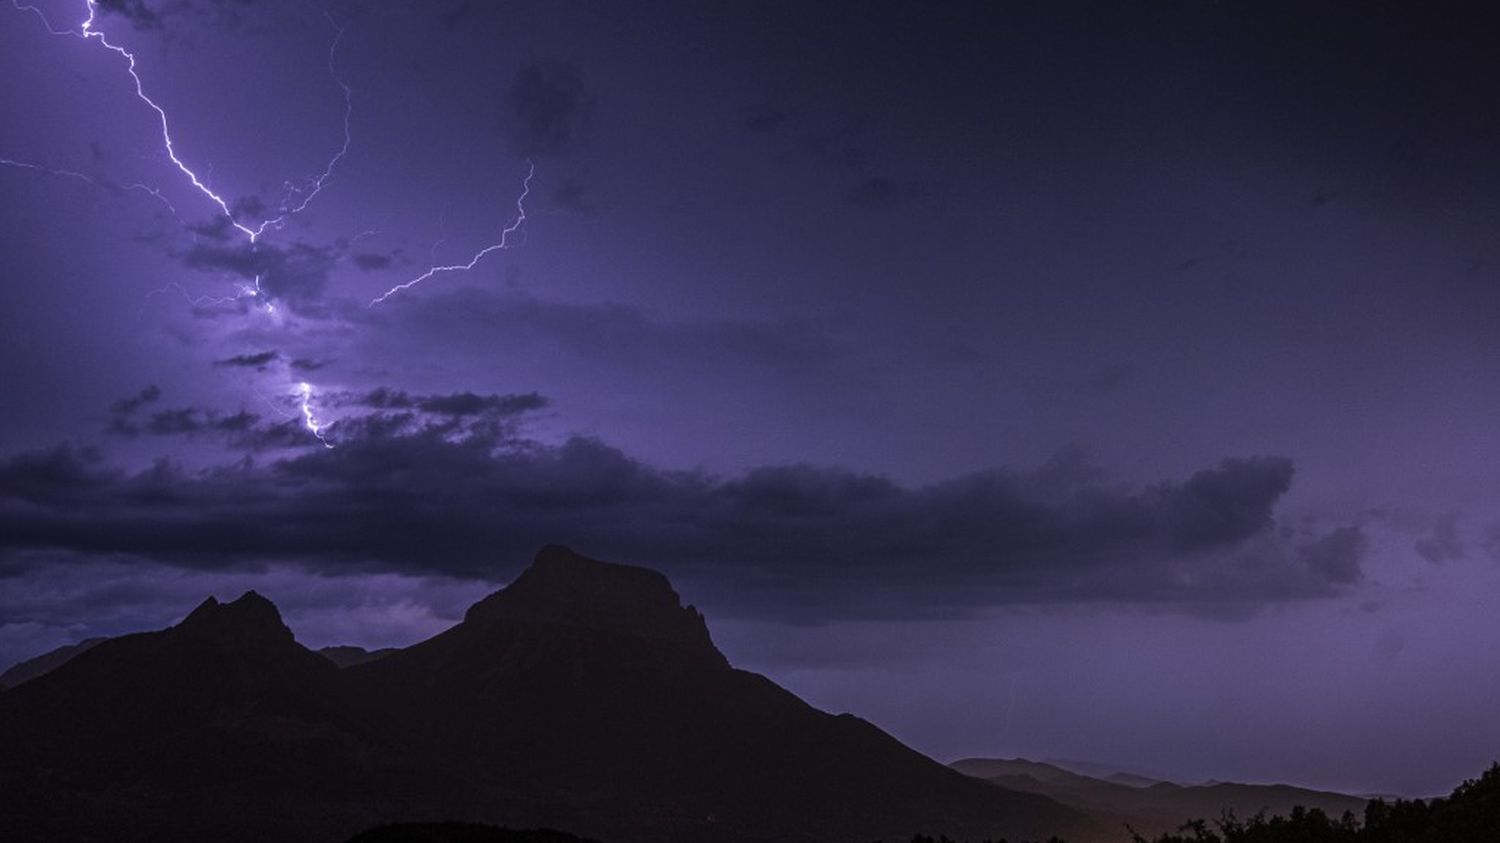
(443, 227)
(315, 184)
(197, 301)
(310, 421)
(302, 195)
(502, 243)
(87, 32)
(246, 291)
(295, 197)
(93, 182)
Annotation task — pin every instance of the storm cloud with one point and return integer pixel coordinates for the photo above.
(136, 11)
(297, 273)
(797, 541)
(257, 360)
(455, 404)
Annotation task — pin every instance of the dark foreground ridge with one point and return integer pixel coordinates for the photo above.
(583, 697)
(461, 833)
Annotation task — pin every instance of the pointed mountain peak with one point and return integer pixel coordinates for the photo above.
(566, 588)
(254, 601)
(206, 608)
(249, 619)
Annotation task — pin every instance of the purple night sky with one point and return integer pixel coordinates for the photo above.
(1066, 380)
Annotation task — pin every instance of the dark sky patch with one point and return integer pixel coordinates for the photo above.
(147, 395)
(766, 118)
(882, 192)
(544, 109)
(574, 195)
(1443, 543)
(371, 262)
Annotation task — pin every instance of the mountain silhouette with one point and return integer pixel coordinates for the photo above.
(583, 697)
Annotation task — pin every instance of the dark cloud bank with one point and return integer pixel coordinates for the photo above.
(446, 485)
(297, 274)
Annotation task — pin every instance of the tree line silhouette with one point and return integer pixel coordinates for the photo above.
(1471, 814)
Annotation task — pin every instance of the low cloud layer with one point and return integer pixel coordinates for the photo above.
(445, 486)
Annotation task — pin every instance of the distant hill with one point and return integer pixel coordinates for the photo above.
(1156, 807)
(45, 663)
(1109, 772)
(1130, 780)
(349, 656)
(584, 697)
